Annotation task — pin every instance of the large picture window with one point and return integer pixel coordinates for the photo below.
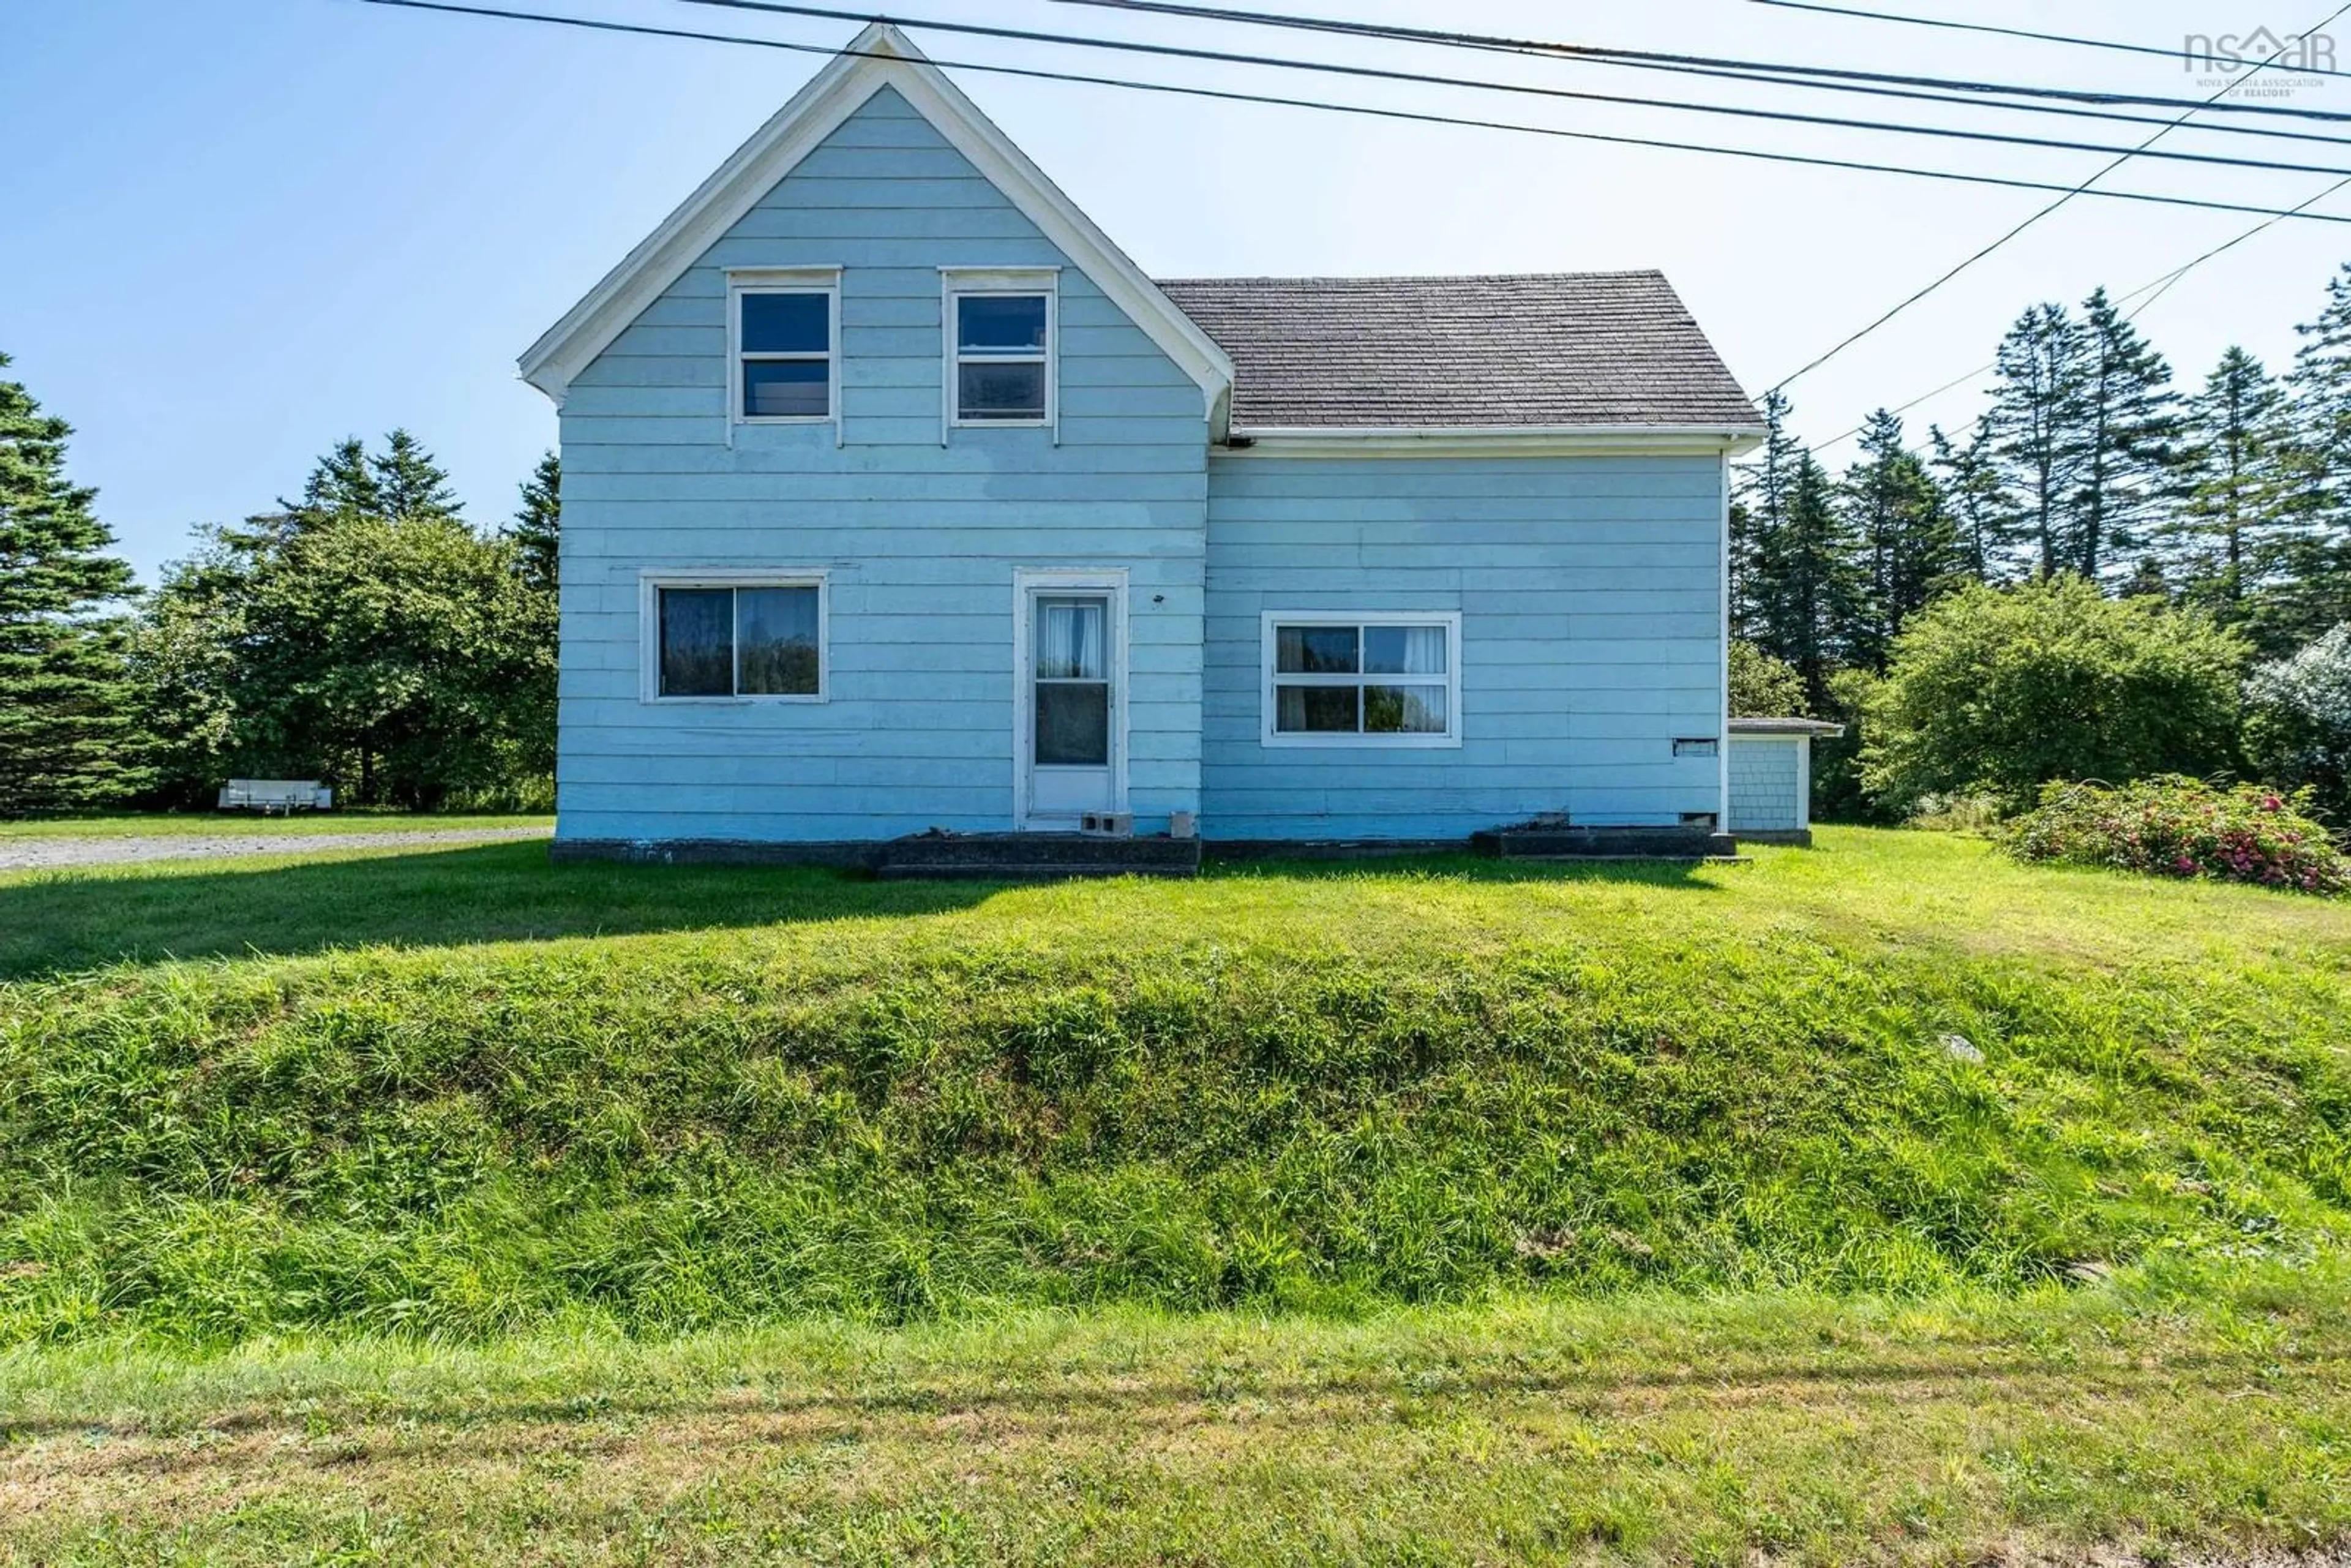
(734, 639)
(1372, 680)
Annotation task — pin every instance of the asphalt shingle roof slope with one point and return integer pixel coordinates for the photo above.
(1570, 348)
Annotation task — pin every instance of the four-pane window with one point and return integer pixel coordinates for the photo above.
(1388, 680)
(739, 640)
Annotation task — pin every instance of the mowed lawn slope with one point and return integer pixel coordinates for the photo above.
(786, 1092)
(1883, 1201)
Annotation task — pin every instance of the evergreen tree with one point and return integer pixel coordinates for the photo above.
(409, 483)
(2320, 460)
(2232, 484)
(1759, 514)
(1973, 499)
(2128, 420)
(341, 484)
(2036, 424)
(1895, 514)
(1809, 587)
(67, 734)
(539, 522)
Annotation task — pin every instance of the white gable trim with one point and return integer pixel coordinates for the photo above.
(879, 56)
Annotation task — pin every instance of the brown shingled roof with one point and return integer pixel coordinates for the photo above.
(1572, 348)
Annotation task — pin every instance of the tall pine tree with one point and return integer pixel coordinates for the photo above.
(1759, 514)
(1808, 591)
(1979, 511)
(2129, 423)
(2037, 427)
(68, 739)
(538, 524)
(1894, 513)
(2231, 478)
(410, 483)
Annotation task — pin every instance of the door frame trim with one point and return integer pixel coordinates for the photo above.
(1028, 581)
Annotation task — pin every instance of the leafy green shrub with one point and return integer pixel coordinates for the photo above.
(1762, 686)
(2178, 827)
(1999, 691)
(2300, 728)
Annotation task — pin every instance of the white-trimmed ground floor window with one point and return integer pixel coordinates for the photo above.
(1388, 679)
(723, 637)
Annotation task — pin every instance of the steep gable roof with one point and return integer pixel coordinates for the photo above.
(879, 56)
(1549, 349)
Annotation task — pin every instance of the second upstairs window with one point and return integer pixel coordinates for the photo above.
(1002, 371)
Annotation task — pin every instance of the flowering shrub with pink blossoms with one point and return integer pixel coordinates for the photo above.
(2171, 825)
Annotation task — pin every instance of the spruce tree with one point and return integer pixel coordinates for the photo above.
(2128, 420)
(2035, 422)
(2321, 391)
(1979, 511)
(2231, 478)
(1809, 587)
(67, 740)
(539, 522)
(341, 484)
(1759, 514)
(408, 484)
(1895, 514)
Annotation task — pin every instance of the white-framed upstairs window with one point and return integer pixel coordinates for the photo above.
(734, 636)
(1384, 679)
(1002, 328)
(783, 332)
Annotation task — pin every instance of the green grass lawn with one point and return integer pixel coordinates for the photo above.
(209, 824)
(1885, 1199)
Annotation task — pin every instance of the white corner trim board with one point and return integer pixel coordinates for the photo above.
(879, 56)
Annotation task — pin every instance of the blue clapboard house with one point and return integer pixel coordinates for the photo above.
(897, 498)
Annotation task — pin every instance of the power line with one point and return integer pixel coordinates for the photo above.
(1728, 71)
(1795, 74)
(2155, 290)
(2113, 44)
(1421, 79)
(1970, 260)
(1416, 116)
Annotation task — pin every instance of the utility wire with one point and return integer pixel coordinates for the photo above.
(2113, 44)
(1415, 117)
(2154, 289)
(1421, 79)
(1970, 260)
(1601, 53)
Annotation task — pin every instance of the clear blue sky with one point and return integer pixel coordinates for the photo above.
(235, 233)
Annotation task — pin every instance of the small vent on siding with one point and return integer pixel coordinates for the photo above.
(1696, 745)
(1698, 820)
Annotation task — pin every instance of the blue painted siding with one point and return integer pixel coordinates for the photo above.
(920, 541)
(1764, 784)
(1590, 596)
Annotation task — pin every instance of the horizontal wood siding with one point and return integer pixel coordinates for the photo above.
(920, 541)
(1590, 595)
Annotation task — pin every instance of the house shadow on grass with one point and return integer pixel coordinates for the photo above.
(57, 922)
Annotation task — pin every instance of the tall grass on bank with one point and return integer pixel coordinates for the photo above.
(1298, 1090)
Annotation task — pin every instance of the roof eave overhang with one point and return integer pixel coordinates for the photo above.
(1495, 441)
(879, 56)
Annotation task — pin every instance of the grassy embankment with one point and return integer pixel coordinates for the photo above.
(1637, 1208)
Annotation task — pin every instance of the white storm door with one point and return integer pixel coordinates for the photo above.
(1074, 673)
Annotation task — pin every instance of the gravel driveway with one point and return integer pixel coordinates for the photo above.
(27, 854)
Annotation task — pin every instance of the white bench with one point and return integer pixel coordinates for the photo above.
(280, 797)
